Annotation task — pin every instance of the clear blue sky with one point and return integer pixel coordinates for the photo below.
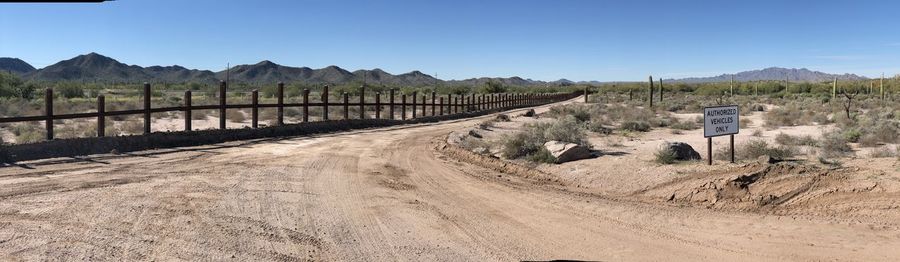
(545, 40)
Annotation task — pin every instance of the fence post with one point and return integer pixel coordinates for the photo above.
(377, 105)
(391, 111)
(403, 107)
(432, 103)
(254, 111)
(424, 105)
(101, 119)
(449, 104)
(325, 103)
(146, 108)
(346, 106)
(222, 87)
(305, 105)
(442, 106)
(280, 108)
(362, 102)
(472, 103)
(187, 110)
(48, 111)
(414, 104)
(456, 105)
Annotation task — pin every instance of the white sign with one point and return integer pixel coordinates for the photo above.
(720, 121)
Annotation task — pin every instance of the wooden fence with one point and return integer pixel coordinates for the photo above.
(443, 105)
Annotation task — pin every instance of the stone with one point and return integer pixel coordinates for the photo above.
(474, 134)
(529, 113)
(565, 152)
(481, 151)
(766, 159)
(683, 151)
(456, 138)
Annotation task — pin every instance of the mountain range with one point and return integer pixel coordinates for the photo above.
(773, 73)
(99, 68)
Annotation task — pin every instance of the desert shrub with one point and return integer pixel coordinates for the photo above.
(664, 156)
(834, 144)
(542, 156)
(744, 122)
(582, 113)
(852, 135)
(882, 152)
(685, 125)
(638, 126)
(199, 114)
(566, 130)
(470, 143)
(28, 133)
(132, 126)
(789, 140)
(758, 147)
(613, 141)
(757, 133)
(597, 127)
(530, 141)
(793, 114)
(236, 116)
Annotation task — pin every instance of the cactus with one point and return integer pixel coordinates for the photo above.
(732, 85)
(661, 90)
(651, 91)
(834, 89)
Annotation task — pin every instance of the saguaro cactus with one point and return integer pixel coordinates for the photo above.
(651, 91)
(661, 90)
(731, 92)
(834, 89)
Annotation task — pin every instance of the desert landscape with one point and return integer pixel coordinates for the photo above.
(557, 131)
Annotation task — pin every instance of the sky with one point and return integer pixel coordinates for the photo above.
(601, 40)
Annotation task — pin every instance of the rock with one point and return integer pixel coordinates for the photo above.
(474, 134)
(114, 151)
(481, 151)
(565, 152)
(529, 113)
(683, 151)
(766, 159)
(503, 118)
(456, 138)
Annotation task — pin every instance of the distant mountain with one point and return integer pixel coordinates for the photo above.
(269, 72)
(774, 73)
(96, 67)
(15, 65)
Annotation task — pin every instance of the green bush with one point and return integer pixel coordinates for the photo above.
(665, 156)
(638, 126)
(529, 142)
(834, 144)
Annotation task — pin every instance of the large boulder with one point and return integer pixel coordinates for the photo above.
(565, 152)
(682, 151)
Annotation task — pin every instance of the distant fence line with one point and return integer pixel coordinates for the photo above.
(439, 106)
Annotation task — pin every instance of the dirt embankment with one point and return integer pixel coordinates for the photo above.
(784, 188)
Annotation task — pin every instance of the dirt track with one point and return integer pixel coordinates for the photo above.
(381, 194)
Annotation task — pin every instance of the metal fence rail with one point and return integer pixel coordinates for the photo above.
(439, 106)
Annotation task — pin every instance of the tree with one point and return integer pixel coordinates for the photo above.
(849, 100)
(492, 87)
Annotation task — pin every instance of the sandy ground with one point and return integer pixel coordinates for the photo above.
(379, 194)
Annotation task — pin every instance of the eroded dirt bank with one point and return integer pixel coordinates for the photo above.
(381, 194)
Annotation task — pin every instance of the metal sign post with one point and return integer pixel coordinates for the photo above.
(720, 121)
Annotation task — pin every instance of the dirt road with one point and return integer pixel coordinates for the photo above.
(381, 194)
